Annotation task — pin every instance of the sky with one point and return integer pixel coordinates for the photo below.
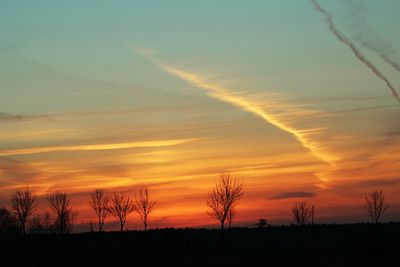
(122, 95)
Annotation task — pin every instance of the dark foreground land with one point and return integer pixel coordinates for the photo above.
(318, 245)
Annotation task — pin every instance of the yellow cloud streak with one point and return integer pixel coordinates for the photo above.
(156, 143)
(225, 95)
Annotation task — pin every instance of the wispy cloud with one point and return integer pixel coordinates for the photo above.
(277, 113)
(14, 172)
(301, 194)
(4, 116)
(365, 34)
(365, 109)
(380, 182)
(154, 143)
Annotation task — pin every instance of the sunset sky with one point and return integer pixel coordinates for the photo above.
(168, 94)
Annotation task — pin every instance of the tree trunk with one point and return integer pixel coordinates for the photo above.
(100, 225)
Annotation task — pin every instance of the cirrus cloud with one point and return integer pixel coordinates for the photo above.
(296, 194)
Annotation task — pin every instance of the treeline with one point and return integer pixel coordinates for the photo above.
(22, 215)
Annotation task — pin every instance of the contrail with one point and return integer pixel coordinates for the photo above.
(249, 105)
(378, 48)
(369, 39)
(341, 37)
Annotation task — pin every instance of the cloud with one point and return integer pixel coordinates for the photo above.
(154, 143)
(362, 184)
(368, 37)
(276, 112)
(4, 116)
(379, 182)
(394, 132)
(14, 173)
(365, 109)
(299, 194)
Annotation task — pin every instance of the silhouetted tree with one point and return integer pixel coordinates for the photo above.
(231, 216)
(99, 201)
(312, 214)
(302, 212)
(312, 224)
(65, 216)
(23, 204)
(120, 207)
(226, 193)
(47, 222)
(41, 223)
(143, 205)
(262, 223)
(8, 222)
(36, 224)
(376, 205)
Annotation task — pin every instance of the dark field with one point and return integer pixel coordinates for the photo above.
(318, 245)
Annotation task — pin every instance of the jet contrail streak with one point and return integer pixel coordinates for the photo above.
(341, 37)
(246, 104)
(369, 39)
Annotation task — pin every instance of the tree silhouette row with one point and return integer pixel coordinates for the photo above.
(221, 202)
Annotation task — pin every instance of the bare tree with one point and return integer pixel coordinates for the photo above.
(231, 216)
(143, 205)
(36, 224)
(226, 193)
(312, 214)
(23, 204)
(120, 207)
(65, 216)
(47, 222)
(41, 223)
(99, 201)
(302, 212)
(376, 205)
(8, 222)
